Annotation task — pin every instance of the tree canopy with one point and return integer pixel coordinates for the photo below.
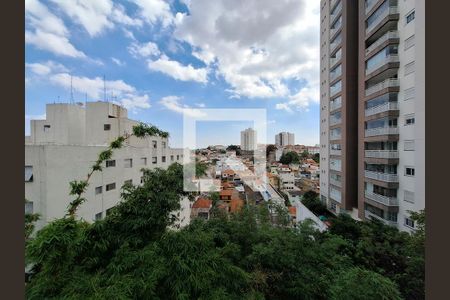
(290, 157)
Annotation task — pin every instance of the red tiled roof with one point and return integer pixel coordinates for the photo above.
(236, 204)
(202, 203)
(293, 210)
(226, 192)
(229, 172)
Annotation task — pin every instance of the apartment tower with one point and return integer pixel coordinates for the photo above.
(248, 139)
(339, 105)
(373, 108)
(284, 139)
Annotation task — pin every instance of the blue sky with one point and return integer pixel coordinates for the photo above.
(159, 57)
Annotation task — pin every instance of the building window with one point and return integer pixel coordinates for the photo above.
(128, 182)
(409, 68)
(409, 120)
(107, 127)
(98, 190)
(46, 128)
(29, 207)
(411, 16)
(98, 216)
(144, 161)
(128, 163)
(409, 145)
(409, 222)
(409, 93)
(28, 173)
(111, 186)
(178, 157)
(142, 179)
(409, 171)
(408, 196)
(392, 216)
(163, 159)
(155, 144)
(333, 206)
(171, 158)
(110, 163)
(163, 145)
(154, 160)
(409, 42)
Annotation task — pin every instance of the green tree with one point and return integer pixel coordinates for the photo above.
(290, 157)
(316, 157)
(270, 148)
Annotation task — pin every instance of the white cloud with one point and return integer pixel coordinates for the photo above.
(48, 32)
(202, 105)
(301, 100)
(154, 11)
(46, 68)
(173, 103)
(177, 70)
(143, 49)
(118, 62)
(255, 45)
(133, 102)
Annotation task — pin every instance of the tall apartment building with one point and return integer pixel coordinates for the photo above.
(64, 146)
(390, 104)
(248, 139)
(339, 98)
(284, 138)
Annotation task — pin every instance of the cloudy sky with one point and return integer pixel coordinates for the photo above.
(159, 57)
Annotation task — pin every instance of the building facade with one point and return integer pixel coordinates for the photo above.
(284, 139)
(66, 144)
(248, 139)
(390, 108)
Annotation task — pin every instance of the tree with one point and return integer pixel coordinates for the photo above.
(290, 157)
(270, 148)
(304, 154)
(356, 283)
(316, 157)
(233, 148)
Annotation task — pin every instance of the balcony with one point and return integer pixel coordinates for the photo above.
(335, 195)
(335, 182)
(337, 88)
(390, 11)
(381, 131)
(336, 74)
(370, 215)
(388, 106)
(370, 5)
(335, 136)
(334, 45)
(337, 11)
(333, 3)
(335, 105)
(335, 121)
(335, 152)
(391, 58)
(385, 177)
(393, 34)
(390, 82)
(388, 201)
(389, 154)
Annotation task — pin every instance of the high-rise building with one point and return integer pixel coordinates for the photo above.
(63, 148)
(390, 108)
(248, 139)
(284, 139)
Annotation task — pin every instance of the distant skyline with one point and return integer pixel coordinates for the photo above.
(159, 57)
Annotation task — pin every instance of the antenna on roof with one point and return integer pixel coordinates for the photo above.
(104, 88)
(71, 90)
(85, 99)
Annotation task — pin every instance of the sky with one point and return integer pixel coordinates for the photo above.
(158, 57)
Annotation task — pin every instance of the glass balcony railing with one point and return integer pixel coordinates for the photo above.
(385, 200)
(335, 195)
(381, 153)
(335, 152)
(336, 136)
(393, 34)
(391, 58)
(370, 215)
(334, 60)
(387, 106)
(390, 11)
(370, 4)
(335, 121)
(381, 131)
(390, 82)
(380, 176)
(335, 105)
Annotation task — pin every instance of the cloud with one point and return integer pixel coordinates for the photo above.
(96, 16)
(301, 100)
(173, 103)
(202, 105)
(46, 68)
(118, 62)
(155, 11)
(178, 71)
(276, 41)
(133, 102)
(143, 49)
(48, 32)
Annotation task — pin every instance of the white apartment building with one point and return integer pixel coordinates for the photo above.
(248, 139)
(284, 138)
(65, 145)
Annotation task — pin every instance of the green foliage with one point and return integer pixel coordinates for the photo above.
(270, 148)
(117, 143)
(290, 158)
(311, 200)
(142, 130)
(360, 284)
(304, 154)
(233, 148)
(316, 157)
(78, 187)
(30, 219)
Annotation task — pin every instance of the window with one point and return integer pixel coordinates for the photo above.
(171, 158)
(46, 128)
(409, 222)
(409, 42)
(98, 190)
(178, 157)
(155, 144)
(110, 186)
(142, 179)
(29, 207)
(163, 159)
(128, 163)
(98, 216)
(28, 173)
(128, 182)
(409, 68)
(408, 196)
(144, 161)
(409, 120)
(107, 127)
(409, 93)
(333, 206)
(408, 145)
(154, 160)
(409, 171)
(392, 216)
(110, 163)
(411, 16)
(163, 144)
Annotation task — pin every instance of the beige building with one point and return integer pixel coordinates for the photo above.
(248, 139)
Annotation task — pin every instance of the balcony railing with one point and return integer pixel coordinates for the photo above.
(390, 82)
(393, 34)
(335, 195)
(388, 201)
(335, 152)
(335, 105)
(381, 131)
(335, 182)
(387, 106)
(336, 13)
(335, 121)
(386, 177)
(391, 58)
(370, 215)
(381, 153)
(335, 89)
(332, 3)
(390, 11)
(335, 136)
(334, 75)
(370, 5)
(334, 45)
